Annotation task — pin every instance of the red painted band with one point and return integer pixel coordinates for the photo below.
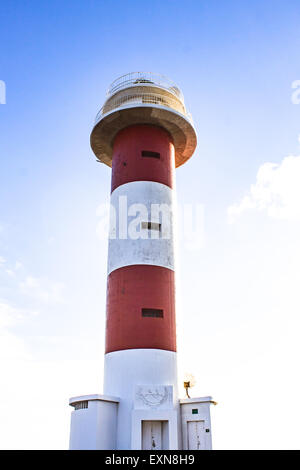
(129, 290)
(129, 165)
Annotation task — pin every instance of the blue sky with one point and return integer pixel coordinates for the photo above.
(235, 62)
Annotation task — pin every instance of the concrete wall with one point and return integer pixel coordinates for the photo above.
(94, 428)
(125, 370)
(202, 405)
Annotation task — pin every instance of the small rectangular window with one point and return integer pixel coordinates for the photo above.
(152, 312)
(151, 226)
(194, 411)
(81, 404)
(148, 153)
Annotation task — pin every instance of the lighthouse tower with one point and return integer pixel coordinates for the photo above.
(143, 132)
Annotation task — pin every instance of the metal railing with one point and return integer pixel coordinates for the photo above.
(144, 78)
(143, 98)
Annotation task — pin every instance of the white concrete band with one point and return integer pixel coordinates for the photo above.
(125, 370)
(131, 242)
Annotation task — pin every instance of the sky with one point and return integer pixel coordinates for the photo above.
(237, 63)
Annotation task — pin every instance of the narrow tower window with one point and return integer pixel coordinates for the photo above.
(151, 226)
(148, 153)
(152, 312)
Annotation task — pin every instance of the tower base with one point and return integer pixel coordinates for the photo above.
(157, 422)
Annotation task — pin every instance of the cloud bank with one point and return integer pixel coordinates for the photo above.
(276, 192)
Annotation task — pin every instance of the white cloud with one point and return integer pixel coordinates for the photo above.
(18, 265)
(41, 389)
(43, 290)
(32, 384)
(276, 191)
(7, 315)
(10, 315)
(10, 272)
(21, 425)
(11, 346)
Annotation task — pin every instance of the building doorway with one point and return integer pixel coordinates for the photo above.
(196, 435)
(155, 435)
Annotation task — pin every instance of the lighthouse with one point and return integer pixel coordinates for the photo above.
(143, 133)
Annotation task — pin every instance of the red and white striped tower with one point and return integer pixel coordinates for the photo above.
(140, 123)
(143, 132)
(140, 325)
